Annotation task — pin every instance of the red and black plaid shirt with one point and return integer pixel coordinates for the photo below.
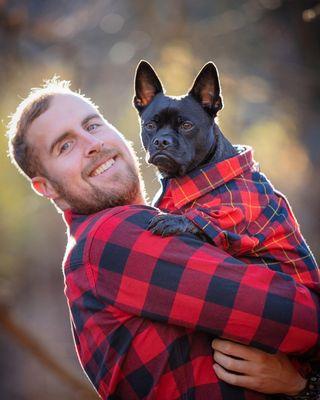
(144, 309)
(240, 212)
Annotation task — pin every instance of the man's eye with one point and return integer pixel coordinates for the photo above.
(92, 127)
(64, 147)
(150, 126)
(186, 126)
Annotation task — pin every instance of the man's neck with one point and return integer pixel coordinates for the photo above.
(140, 200)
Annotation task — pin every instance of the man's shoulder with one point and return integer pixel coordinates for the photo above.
(84, 224)
(121, 222)
(122, 214)
(98, 229)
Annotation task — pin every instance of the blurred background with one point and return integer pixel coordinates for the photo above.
(267, 52)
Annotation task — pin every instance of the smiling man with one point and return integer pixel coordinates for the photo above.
(144, 309)
(74, 168)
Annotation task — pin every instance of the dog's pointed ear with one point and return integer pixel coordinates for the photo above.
(206, 89)
(147, 85)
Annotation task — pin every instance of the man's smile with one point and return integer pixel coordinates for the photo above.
(103, 167)
(101, 163)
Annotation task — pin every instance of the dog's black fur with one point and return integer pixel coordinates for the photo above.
(180, 134)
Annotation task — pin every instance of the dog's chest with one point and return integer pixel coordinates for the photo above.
(249, 193)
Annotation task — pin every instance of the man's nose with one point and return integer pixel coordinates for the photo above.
(93, 145)
(162, 142)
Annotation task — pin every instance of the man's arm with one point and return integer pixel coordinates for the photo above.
(280, 245)
(183, 281)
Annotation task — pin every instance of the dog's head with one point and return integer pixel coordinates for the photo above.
(177, 132)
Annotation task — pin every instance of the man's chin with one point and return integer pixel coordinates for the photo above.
(79, 206)
(97, 199)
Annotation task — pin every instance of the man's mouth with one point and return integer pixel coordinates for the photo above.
(103, 167)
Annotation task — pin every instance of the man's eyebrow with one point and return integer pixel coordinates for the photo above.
(58, 140)
(87, 119)
(66, 134)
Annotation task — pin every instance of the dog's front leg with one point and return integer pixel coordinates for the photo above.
(171, 224)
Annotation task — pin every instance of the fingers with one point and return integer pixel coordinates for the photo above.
(233, 379)
(248, 382)
(227, 362)
(256, 370)
(239, 350)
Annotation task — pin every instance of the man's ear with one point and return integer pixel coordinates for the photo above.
(206, 89)
(43, 187)
(147, 85)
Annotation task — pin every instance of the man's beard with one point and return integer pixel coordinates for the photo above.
(98, 199)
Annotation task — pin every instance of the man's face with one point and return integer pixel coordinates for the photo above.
(88, 166)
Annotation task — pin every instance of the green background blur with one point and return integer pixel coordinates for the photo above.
(267, 52)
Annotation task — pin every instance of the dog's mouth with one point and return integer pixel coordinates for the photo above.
(167, 165)
(161, 158)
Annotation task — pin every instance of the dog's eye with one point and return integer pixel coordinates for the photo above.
(150, 126)
(186, 126)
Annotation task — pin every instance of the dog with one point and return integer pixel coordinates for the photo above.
(210, 187)
(179, 134)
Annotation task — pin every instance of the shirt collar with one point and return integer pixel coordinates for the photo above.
(70, 217)
(74, 221)
(210, 176)
(67, 216)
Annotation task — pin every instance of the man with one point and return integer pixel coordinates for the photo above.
(145, 309)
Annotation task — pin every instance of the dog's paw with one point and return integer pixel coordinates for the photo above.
(169, 224)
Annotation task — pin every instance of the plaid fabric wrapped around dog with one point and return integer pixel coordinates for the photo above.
(238, 209)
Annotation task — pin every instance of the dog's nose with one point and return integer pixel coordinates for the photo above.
(162, 142)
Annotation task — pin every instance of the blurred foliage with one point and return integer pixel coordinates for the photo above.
(267, 52)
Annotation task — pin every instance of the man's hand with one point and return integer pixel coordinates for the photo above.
(260, 371)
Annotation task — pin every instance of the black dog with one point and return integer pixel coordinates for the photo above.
(216, 190)
(179, 134)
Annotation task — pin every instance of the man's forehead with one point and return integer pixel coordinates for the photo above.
(63, 111)
(66, 104)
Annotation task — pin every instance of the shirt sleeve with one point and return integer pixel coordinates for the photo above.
(220, 226)
(279, 245)
(181, 280)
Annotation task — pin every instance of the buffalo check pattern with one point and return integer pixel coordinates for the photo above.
(144, 309)
(240, 212)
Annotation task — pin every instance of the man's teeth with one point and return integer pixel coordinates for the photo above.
(103, 167)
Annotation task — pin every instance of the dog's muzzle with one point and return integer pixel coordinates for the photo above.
(162, 142)
(167, 164)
